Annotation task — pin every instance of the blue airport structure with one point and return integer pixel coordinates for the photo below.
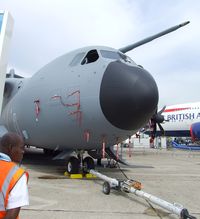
(185, 147)
(6, 27)
(1, 20)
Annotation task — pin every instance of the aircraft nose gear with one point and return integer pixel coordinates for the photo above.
(88, 164)
(73, 165)
(79, 164)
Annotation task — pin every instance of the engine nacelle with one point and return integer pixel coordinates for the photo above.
(195, 131)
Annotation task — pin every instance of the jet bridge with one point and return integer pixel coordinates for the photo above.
(6, 27)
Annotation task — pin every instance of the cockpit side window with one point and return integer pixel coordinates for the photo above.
(91, 56)
(77, 59)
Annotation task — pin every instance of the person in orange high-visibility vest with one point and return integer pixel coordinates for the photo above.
(13, 179)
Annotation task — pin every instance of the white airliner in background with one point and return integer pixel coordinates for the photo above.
(182, 120)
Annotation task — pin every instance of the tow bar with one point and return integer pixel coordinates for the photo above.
(132, 186)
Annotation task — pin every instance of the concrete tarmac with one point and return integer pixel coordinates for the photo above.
(172, 175)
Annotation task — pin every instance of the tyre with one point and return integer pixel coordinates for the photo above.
(106, 188)
(73, 165)
(88, 164)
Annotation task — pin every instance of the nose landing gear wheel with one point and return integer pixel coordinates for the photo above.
(73, 165)
(88, 164)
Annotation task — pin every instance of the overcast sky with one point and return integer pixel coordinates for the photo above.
(45, 29)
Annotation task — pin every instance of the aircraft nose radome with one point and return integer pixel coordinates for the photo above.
(128, 95)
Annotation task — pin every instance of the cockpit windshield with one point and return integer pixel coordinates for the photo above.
(115, 55)
(93, 55)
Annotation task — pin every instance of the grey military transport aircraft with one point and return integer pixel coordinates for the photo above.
(84, 101)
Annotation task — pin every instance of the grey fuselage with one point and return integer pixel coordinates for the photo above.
(80, 100)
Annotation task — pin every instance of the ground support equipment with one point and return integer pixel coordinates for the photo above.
(132, 186)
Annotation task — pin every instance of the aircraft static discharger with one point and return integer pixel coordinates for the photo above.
(86, 100)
